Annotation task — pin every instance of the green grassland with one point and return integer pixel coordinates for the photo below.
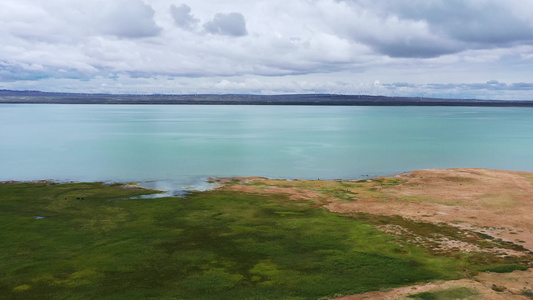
(97, 241)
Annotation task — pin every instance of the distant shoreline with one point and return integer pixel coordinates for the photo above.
(36, 97)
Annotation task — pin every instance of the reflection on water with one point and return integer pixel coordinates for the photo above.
(179, 188)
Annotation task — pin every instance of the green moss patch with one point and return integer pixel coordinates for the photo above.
(504, 268)
(447, 294)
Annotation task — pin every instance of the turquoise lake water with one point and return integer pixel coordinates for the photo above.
(189, 143)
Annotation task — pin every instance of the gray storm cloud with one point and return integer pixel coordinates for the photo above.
(452, 26)
(232, 24)
(182, 17)
(486, 22)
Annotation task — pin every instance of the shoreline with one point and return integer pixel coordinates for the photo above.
(36, 97)
(493, 202)
(489, 201)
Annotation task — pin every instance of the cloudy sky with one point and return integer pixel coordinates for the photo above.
(436, 48)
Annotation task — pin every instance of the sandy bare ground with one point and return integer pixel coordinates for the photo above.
(494, 202)
(487, 286)
(499, 203)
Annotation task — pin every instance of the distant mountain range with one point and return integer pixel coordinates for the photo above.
(9, 96)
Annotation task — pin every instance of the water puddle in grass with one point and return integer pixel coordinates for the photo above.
(176, 188)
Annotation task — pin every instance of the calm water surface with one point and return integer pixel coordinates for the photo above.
(189, 143)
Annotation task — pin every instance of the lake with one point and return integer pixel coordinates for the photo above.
(188, 143)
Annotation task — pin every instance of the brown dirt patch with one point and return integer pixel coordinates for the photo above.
(273, 186)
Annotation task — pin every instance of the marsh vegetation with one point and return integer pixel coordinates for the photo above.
(94, 241)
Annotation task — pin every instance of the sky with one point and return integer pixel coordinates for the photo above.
(479, 49)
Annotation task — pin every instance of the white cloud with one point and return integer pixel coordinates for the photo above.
(232, 24)
(127, 19)
(182, 17)
(286, 46)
